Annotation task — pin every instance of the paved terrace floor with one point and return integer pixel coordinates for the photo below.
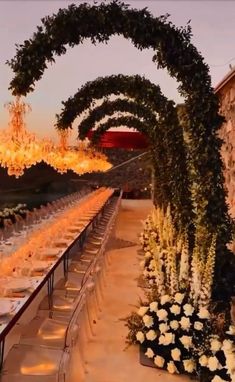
(107, 361)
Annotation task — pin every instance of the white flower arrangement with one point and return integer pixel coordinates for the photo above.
(179, 320)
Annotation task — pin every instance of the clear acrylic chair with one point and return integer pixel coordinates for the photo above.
(29, 363)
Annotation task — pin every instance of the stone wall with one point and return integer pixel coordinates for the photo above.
(227, 133)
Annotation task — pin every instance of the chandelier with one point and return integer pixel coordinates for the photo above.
(81, 159)
(20, 149)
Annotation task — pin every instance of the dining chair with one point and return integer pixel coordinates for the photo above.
(30, 363)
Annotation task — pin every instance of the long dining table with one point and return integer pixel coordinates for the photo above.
(19, 292)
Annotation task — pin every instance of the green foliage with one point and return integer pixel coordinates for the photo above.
(173, 51)
(165, 134)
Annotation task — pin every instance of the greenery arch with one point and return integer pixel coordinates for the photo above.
(173, 187)
(108, 108)
(146, 95)
(175, 52)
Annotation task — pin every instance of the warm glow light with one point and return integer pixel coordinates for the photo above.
(39, 369)
(20, 149)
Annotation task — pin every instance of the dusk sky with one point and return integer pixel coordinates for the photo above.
(213, 34)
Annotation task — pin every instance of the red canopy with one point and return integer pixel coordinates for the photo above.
(122, 139)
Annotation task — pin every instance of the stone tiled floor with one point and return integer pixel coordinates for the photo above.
(107, 359)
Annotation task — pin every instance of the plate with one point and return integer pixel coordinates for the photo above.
(18, 284)
(51, 253)
(39, 266)
(5, 307)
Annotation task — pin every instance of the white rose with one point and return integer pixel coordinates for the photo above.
(152, 264)
(186, 341)
(227, 345)
(179, 297)
(151, 335)
(203, 313)
(162, 314)
(163, 327)
(175, 309)
(175, 354)
(166, 339)
(213, 363)
(189, 365)
(185, 323)
(230, 362)
(215, 345)
(231, 330)
(159, 361)
(203, 360)
(217, 379)
(161, 339)
(169, 338)
(142, 310)
(148, 321)
(174, 325)
(140, 337)
(147, 255)
(149, 353)
(171, 368)
(165, 299)
(153, 306)
(188, 309)
(198, 325)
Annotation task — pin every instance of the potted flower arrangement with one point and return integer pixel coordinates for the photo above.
(177, 328)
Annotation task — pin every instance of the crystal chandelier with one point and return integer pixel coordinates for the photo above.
(82, 159)
(20, 149)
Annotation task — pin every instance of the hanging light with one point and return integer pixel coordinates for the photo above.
(82, 159)
(20, 149)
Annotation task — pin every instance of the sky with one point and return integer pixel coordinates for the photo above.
(213, 29)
